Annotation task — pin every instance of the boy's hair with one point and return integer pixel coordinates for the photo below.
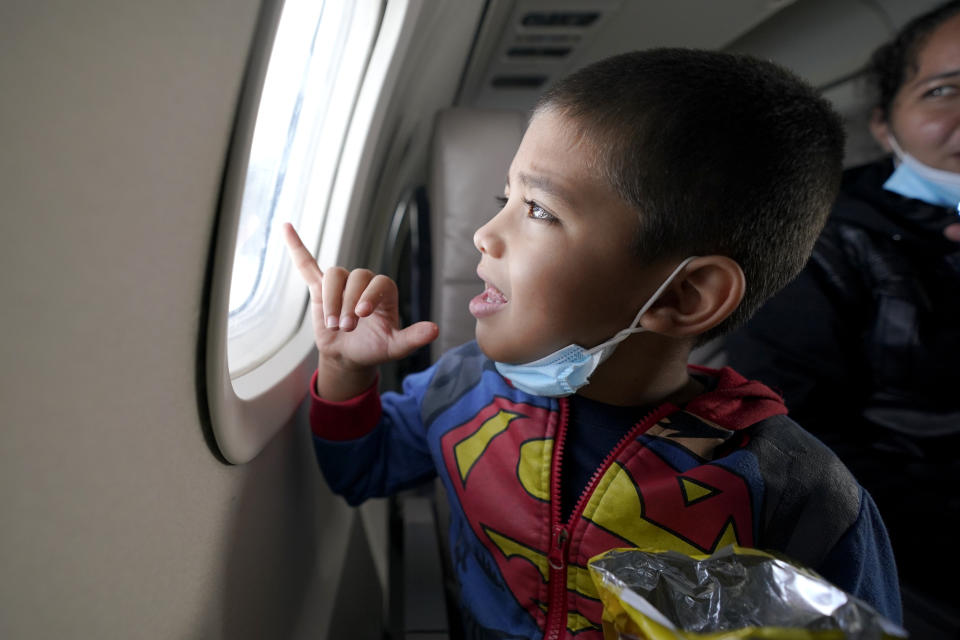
(893, 62)
(719, 154)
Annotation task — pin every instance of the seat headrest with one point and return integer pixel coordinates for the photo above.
(471, 154)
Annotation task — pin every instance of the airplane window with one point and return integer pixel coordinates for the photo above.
(312, 80)
(319, 80)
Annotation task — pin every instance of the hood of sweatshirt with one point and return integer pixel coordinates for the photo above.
(732, 401)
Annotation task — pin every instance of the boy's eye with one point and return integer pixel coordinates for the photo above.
(941, 91)
(536, 212)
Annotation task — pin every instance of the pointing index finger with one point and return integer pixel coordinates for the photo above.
(302, 258)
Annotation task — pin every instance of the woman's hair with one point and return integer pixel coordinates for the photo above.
(892, 63)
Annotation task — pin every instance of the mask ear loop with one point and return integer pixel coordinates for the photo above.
(620, 336)
(897, 151)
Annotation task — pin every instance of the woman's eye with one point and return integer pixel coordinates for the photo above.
(536, 212)
(501, 201)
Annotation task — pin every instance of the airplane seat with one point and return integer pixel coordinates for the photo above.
(470, 155)
(429, 251)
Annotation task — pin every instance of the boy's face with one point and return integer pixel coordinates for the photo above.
(556, 259)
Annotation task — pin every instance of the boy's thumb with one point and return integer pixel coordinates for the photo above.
(415, 336)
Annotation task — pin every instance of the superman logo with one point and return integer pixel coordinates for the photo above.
(644, 501)
(499, 466)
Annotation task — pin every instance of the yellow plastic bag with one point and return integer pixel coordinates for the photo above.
(734, 594)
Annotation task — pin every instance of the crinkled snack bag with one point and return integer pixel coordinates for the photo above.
(736, 593)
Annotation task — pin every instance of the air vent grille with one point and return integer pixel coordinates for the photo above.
(518, 82)
(559, 18)
(538, 52)
(537, 42)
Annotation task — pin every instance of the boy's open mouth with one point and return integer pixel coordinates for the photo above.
(488, 302)
(492, 295)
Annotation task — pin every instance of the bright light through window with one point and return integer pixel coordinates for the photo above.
(312, 81)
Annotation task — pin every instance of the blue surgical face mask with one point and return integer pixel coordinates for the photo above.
(914, 179)
(564, 371)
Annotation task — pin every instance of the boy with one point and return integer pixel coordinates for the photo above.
(669, 192)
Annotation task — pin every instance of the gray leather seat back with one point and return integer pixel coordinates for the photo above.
(471, 153)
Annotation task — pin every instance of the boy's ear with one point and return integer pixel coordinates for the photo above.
(880, 129)
(704, 294)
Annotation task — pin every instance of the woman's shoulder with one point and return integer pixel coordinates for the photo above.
(863, 203)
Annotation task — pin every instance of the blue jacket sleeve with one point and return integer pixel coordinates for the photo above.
(373, 446)
(862, 563)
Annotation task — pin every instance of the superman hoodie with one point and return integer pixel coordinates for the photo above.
(729, 467)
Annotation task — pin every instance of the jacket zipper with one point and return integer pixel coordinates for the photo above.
(559, 539)
(560, 532)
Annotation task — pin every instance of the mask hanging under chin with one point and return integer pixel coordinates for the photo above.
(564, 371)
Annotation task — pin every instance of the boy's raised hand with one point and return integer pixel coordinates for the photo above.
(356, 323)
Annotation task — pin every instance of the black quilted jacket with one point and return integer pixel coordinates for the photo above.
(870, 332)
(865, 347)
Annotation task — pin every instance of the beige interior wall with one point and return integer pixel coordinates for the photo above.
(118, 519)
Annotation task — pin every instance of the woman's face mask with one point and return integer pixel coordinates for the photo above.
(914, 179)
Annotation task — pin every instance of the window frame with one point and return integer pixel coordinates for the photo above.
(268, 317)
(246, 411)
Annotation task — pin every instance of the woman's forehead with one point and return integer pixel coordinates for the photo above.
(939, 56)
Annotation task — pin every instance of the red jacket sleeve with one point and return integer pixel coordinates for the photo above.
(346, 420)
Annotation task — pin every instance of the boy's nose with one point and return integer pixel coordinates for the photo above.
(487, 241)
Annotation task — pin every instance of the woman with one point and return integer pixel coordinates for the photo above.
(865, 344)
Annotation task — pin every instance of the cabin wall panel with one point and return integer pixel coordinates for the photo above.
(119, 519)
